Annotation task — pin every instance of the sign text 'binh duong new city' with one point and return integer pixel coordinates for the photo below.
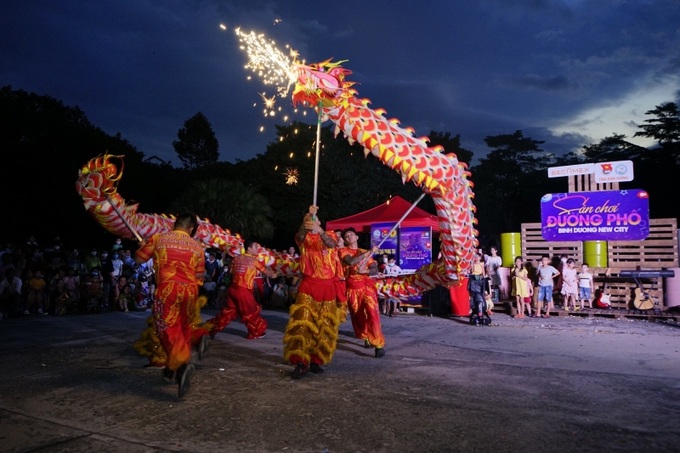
(613, 215)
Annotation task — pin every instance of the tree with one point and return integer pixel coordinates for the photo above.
(451, 145)
(612, 148)
(43, 145)
(197, 145)
(505, 181)
(231, 205)
(665, 128)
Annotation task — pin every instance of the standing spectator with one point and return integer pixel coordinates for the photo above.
(37, 287)
(180, 265)
(92, 261)
(110, 271)
(74, 262)
(585, 286)
(520, 286)
(212, 267)
(117, 246)
(72, 283)
(240, 299)
(569, 285)
(546, 275)
(492, 263)
(362, 295)
(392, 270)
(121, 294)
(116, 267)
(10, 294)
(128, 263)
(311, 334)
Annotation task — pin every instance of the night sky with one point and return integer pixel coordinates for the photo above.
(569, 72)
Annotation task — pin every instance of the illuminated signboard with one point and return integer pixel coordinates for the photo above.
(614, 215)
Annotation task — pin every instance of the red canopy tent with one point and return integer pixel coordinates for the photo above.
(388, 212)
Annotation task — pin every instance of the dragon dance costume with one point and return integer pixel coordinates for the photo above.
(312, 331)
(179, 264)
(149, 345)
(240, 299)
(362, 299)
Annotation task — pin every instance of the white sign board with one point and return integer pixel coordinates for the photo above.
(571, 170)
(618, 171)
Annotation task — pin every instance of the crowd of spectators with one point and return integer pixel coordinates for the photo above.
(53, 280)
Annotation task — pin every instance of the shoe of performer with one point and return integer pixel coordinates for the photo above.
(379, 352)
(315, 368)
(299, 371)
(203, 346)
(168, 375)
(184, 374)
(367, 344)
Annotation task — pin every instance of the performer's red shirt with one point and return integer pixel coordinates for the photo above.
(176, 257)
(316, 259)
(352, 272)
(244, 270)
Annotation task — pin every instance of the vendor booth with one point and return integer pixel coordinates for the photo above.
(388, 212)
(411, 243)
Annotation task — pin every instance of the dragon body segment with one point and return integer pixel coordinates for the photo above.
(323, 85)
(440, 175)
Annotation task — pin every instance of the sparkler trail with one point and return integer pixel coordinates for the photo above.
(271, 65)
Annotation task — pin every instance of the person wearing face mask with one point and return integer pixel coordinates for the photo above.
(92, 261)
(117, 246)
(384, 259)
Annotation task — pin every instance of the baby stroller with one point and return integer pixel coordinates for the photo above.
(479, 312)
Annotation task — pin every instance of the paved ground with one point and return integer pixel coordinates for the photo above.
(74, 384)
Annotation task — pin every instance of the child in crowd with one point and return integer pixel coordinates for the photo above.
(520, 285)
(585, 286)
(569, 285)
(546, 275)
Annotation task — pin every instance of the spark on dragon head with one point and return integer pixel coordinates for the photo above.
(272, 66)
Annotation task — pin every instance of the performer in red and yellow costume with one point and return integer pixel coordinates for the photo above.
(149, 345)
(179, 263)
(240, 299)
(312, 331)
(362, 295)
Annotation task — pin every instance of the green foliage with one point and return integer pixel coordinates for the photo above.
(612, 148)
(232, 205)
(197, 145)
(665, 126)
(43, 144)
(506, 181)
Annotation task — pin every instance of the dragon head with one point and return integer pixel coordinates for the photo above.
(322, 83)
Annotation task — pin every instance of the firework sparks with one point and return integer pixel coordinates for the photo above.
(292, 176)
(271, 65)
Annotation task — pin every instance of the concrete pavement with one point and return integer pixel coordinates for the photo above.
(74, 383)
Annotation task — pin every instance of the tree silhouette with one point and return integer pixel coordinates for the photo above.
(197, 145)
(506, 181)
(231, 205)
(665, 127)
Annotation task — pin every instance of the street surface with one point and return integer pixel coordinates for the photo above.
(74, 383)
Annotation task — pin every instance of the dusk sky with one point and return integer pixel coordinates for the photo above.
(569, 72)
